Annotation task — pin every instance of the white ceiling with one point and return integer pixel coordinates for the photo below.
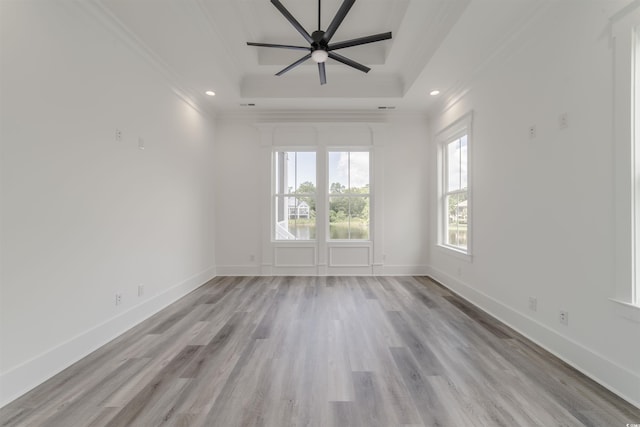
(201, 45)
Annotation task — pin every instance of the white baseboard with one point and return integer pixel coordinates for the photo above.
(404, 270)
(609, 374)
(376, 270)
(238, 270)
(24, 377)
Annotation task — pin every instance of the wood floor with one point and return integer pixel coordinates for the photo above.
(320, 351)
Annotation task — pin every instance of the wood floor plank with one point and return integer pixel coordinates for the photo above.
(370, 404)
(320, 352)
(147, 398)
(430, 407)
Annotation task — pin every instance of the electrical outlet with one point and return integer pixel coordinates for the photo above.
(564, 317)
(118, 135)
(533, 303)
(118, 299)
(140, 289)
(532, 131)
(140, 143)
(252, 257)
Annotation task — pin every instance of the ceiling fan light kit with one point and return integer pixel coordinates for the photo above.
(320, 49)
(319, 55)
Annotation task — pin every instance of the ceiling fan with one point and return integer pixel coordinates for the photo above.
(320, 49)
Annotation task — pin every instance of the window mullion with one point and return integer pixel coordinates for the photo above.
(460, 163)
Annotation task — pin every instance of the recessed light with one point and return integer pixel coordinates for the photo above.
(434, 92)
(210, 93)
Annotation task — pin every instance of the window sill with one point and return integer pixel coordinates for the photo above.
(626, 309)
(456, 253)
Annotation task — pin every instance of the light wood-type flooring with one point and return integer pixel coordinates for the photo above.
(320, 351)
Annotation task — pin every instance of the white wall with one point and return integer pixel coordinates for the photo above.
(400, 153)
(238, 198)
(544, 207)
(84, 216)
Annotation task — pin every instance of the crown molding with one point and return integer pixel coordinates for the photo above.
(321, 116)
(98, 11)
(447, 14)
(508, 46)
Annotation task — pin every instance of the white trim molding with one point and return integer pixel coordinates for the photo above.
(458, 128)
(624, 37)
(105, 17)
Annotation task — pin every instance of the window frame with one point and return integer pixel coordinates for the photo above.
(275, 194)
(450, 134)
(625, 42)
(635, 113)
(348, 195)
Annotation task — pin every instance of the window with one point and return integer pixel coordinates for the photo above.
(349, 195)
(626, 84)
(295, 195)
(454, 201)
(635, 114)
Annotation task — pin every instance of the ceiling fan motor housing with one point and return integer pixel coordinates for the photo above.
(319, 47)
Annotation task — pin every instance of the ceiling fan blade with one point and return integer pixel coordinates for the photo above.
(295, 64)
(282, 46)
(349, 62)
(283, 10)
(337, 20)
(362, 40)
(323, 73)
